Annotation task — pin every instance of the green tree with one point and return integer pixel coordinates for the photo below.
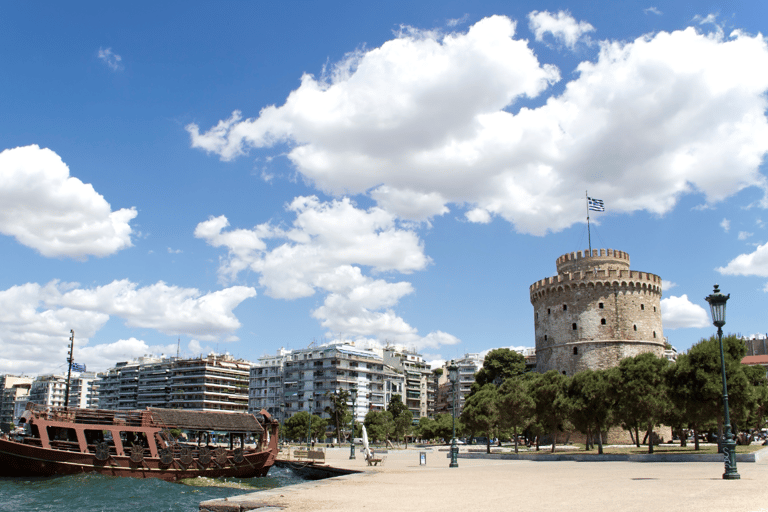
(339, 410)
(396, 405)
(515, 406)
(379, 425)
(756, 376)
(403, 424)
(297, 425)
(696, 382)
(426, 428)
(444, 426)
(642, 394)
(481, 413)
(551, 403)
(499, 365)
(591, 404)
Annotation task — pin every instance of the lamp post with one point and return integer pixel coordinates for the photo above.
(309, 428)
(453, 372)
(717, 305)
(353, 393)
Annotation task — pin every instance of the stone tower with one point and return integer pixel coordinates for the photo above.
(595, 312)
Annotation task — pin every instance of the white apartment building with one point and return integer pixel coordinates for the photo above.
(266, 385)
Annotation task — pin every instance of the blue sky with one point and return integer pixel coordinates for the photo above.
(241, 177)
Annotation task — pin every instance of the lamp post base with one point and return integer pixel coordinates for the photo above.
(352, 451)
(454, 455)
(729, 457)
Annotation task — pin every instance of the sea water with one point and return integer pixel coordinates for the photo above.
(96, 493)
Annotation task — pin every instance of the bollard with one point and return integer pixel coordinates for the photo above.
(422, 458)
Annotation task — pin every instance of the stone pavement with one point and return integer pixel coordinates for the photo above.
(503, 485)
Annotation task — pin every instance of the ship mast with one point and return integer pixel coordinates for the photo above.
(69, 370)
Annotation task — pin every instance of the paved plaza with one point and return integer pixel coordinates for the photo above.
(504, 485)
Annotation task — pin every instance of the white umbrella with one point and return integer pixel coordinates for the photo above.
(365, 444)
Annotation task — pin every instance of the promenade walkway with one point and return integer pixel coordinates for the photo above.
(505, 485)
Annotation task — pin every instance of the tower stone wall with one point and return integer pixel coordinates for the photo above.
(595, 312)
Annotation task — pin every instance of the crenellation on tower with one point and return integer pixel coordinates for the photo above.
(595, 312)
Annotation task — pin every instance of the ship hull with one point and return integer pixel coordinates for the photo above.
(20, 460)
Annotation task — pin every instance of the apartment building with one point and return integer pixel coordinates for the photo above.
(266, 385)
(214, 382)
(417, 375)
(48, 390)
(311, 374)
(15, 390)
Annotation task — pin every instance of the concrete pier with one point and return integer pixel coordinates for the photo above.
(497, 484)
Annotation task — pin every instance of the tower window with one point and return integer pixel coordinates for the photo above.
(575, 351)
(573, 326)
(634, 327)
(654, 309)
(602, 321)
(549, 311)
(654, 334)
(565, 307)
(642, 307)
(564, 372)
(545, 337)
(600, 305)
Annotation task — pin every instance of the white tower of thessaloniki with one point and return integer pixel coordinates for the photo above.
(595, 312)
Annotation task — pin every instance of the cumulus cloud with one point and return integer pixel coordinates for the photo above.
(679, 312)
(743, 235)
(652, 10)
(645, 123)
(752, 264)
(45, 208)
(35, 319)
(726, 225)
(563, 27)
(336, 249)
(667, 285)
(110, 59)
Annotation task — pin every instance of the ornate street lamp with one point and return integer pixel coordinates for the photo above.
(353, 393)
(717, 304)
(453, 375)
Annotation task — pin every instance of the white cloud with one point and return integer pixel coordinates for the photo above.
(455, 22)
(653, 10)
(35, 320)
(753, 264)
(679, 312)
(563, 27)
(44, 208)
(726, 225)
(331, 248)
(743, 235)
(667, 285)
(647, 122)
(111, 59)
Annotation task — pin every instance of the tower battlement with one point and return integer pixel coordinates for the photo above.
(598, 258)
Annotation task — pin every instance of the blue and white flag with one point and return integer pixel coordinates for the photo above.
(596, 205)
(77, 367)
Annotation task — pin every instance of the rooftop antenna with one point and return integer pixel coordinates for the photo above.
(178, 347)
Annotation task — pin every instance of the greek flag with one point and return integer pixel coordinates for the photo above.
(596, 205)
(77, 367)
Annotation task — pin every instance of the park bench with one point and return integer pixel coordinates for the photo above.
(377, 458)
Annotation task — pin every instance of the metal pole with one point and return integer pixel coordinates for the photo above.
(352, 434)
(454, 448)
(309, 428)
(729, 445)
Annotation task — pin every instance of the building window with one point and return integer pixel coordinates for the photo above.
(654, 334)
(600, 305)
(573, 326)
(545, 337)
(565, 307)
(642, 307)
(634, 327)
(549, 311)
(602, 321)
(654, 309)
(575, 351)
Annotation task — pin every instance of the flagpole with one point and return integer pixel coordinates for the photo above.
(589, 234)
